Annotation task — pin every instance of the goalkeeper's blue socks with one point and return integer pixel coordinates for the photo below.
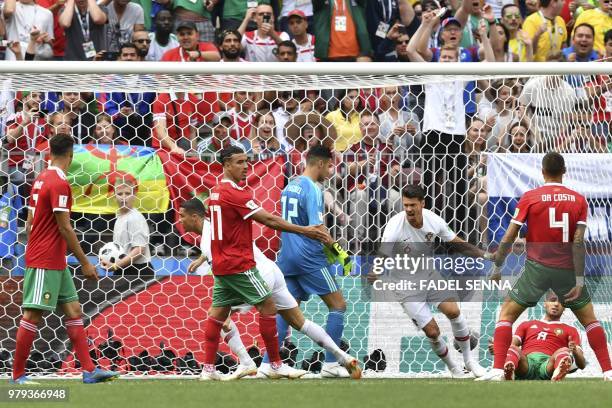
(334, 327)
(283, 327)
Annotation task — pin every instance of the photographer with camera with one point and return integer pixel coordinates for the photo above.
(259, 45)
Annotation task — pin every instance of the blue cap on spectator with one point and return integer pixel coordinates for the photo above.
(451, 20)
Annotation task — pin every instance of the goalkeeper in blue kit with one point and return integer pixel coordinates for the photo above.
(306, 263)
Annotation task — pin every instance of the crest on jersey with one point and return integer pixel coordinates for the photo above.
(46, 297)
(63, 201)
(429, 237)
(558, 332)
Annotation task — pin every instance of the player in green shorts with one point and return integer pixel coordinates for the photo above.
(48, 282)
(555, 218)
(544, 349)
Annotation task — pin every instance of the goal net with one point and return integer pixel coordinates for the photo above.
(472, 137)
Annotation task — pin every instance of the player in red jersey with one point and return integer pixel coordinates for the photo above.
(556, 220)
(544, 349)
(47, 280)
(232, 209)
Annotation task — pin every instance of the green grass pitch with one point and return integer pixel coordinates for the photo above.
(405, 393)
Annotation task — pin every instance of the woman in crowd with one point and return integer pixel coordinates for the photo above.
(346, 119)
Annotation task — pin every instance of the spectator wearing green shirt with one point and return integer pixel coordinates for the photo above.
(197, 12)
(234, 12)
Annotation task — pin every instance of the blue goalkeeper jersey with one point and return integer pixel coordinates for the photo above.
(302, 204)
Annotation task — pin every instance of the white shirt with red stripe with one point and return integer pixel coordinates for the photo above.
(257, 49)
(241, 127)
(306, 52)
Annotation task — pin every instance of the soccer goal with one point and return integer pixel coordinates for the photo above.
(472, 135)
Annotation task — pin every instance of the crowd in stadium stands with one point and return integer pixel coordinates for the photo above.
(433, 133)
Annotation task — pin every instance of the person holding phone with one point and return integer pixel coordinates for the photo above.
(259, 45)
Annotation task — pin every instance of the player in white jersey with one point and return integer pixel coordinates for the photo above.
(414, 231)
(192, 217)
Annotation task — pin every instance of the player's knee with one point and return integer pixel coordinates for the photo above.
(561, 350)
(452, 313)
(431, 330)
(338, 304)
(32, 315)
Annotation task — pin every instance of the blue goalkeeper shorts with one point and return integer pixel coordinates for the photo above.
(303, 283)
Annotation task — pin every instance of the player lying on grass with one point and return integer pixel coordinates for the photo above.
(231, 210)
(192, 217)
(556, 219)
(413, 232)
(544, 349)
(48, 281)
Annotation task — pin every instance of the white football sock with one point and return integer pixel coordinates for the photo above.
(438, 345)
(233, 340)
(320, 336)
(461, 331)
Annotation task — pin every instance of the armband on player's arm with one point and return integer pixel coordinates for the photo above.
(335, 253)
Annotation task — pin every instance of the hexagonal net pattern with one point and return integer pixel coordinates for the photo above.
(474, 146)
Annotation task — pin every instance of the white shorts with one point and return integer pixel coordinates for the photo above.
(419, 312)
(275, 279)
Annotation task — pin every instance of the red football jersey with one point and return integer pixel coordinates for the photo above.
(539, 336)
(46, 247)
(231, 234)
(552, 213)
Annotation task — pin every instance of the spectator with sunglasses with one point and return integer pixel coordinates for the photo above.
(142, 42)
(162, 39)
(259, 45)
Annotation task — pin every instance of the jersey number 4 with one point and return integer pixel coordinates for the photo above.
(290, 208)
(216, 226)
(563, 224)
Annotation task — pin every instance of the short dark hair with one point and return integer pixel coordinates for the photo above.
(287, 44)
(507, 6)
(608, 36)
(227, 152)
(318, 152)
(370, 114)
(587, 25)
(413, 191)
(126, 45)
(545, 3)
(227, 32)
(553, 164)
(194, 206)
(61, 144)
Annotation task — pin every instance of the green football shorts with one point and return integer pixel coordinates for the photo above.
(536, 367)
(246, 287)
(537, 279)
(45, 288)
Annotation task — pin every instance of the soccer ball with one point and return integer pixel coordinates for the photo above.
(110, 252)
(473, 341)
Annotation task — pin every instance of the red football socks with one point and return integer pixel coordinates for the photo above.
(78, 338)
(597, 341)
(502, 339)
(267, 329)
(26, 334)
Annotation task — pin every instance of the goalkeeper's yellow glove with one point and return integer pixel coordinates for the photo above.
(335, 253)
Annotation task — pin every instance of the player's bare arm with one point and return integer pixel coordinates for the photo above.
(578, 251)
(28, 226)
(65, 228)
(505, 246)
(468, 249)
(318, 232)
(196, 264)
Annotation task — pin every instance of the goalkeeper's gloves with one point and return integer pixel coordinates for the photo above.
(335, 253)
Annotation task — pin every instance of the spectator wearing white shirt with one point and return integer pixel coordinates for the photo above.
(397, 127)
(162, 39)
(288, 103)
(304, 42)
(20, 17)
(124, 18)
(290, 6)
(259, 45)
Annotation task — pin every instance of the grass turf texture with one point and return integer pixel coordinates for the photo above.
(407, 393)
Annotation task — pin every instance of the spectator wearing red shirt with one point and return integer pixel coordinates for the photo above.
(176, 117)
(242, 114)
(26, 131)
(191, 49)
(367, 172)
(59, 43)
